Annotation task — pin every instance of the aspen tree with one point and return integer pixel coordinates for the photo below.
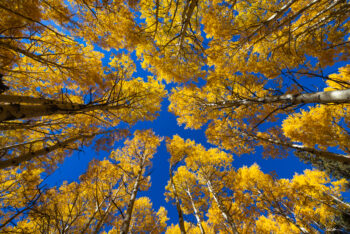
(261, 57)
(248, 200)
(106, 195)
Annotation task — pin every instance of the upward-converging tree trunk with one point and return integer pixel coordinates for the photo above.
(127, 218)
(325, 154)
(283, 210)
(326, 97)
(177, 202)
(222, 208)
(28, 107)
(195, 210)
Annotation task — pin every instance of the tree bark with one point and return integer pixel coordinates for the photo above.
(196, 214)
(21, 111)
(127, 219)
(177, 202)
(16, 107)
(325, 154)
(222, 208)
(326, 97)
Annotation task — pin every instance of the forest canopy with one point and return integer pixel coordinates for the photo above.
(259, 78)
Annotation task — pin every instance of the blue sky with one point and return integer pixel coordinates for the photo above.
(166, 125)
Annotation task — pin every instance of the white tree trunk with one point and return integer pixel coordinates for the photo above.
(177, 202)
(327, 97)
(196, 213)
(222, 208)
(325, 154)
(127, 218)
(36, 107)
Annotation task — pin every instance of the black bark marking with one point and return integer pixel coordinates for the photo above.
(3, 87)
(10, 116)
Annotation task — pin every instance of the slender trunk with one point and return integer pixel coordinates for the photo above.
(290, 219)
(279, 211)
(272, 18)
(87, 225)
(326, 97)
(29, 156)
(288, 19)
(127, 218)
(222, 208)
(325, 154)
(347, 205)
(196, 213)
(23, 111)
(102, 220)
(177, 202)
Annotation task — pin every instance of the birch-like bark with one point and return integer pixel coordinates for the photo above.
(326, 97)
(24, 111)
(177, 202)
(288, 20)
(222, 208)
(127, 218)
(196, 213)
(87, 225)
(347, 205)
(272, 18)
(278, 210)
(102, 220)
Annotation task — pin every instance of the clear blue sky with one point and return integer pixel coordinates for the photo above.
(166, 125)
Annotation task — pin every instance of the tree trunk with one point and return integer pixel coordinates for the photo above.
(102, 220)
(277, 209)
(13, 109)
(177, 202)
(222, 208)
(127, 219)
(326, 97)
(196, 214)
(347, 205)
(87, 225)
(325, 154)
(21, 111)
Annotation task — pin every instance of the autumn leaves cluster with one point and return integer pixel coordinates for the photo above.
(253, 74)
